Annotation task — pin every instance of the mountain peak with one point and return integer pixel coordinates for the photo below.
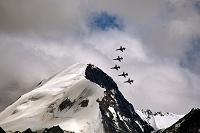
(97, 76)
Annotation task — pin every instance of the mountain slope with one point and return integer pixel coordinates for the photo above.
(81, 98)
(64, 99)
(118, 115)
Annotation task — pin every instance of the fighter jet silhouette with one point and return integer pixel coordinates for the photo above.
(129, 81)
(121, 49)
(119, 58)
(123, 74)
(116, 67)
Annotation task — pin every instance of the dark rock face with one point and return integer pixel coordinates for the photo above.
(118, 115)
(2, 131)
(190, 123)
(84, 103)
(54, 129)
(28, 131)
(97, 76)
(66, 104)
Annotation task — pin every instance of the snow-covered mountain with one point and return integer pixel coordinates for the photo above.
(84, 99)
(81, 98)
(158, 120)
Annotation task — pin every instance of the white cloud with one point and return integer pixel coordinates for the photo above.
(40, 38)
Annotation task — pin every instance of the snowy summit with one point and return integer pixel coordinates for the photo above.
(81, 98)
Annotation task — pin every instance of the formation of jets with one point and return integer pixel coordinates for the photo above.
(122, 49)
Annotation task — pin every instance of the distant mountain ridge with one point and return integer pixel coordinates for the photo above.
(158, 120)
(190, 123)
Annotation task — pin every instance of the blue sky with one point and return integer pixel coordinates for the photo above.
(104, 21)
(40, 38)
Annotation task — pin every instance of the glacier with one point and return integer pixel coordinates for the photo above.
(40, 108)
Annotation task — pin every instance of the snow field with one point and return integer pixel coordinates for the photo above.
(39, 108)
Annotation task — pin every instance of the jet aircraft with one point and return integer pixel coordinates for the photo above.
(119, 58)
(116, 67)
(129, 81)
(121, 49)
(123, 74)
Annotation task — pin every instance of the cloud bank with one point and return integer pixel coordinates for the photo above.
(40, 38)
